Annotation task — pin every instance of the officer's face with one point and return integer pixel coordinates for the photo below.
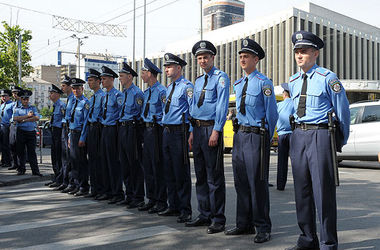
(145, 74)
(248, 62)
(14, 94)
(65, 88)
(173, 70)
(25, 101)
(5, 98)
(78, 91)
(107, 82)
(205, 61)
(305, 57)
(93, 82)
(53, 96)
(125, 78)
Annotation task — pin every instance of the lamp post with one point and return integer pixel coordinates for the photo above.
(78, 49)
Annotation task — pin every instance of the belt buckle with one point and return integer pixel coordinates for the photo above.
(303, 126)
(198, 123)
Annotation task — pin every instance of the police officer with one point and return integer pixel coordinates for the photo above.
(111, 171)
(77, 139)
(153, 107)
(26, 117)
(175, 135)
(13, 128)
(56, 133)
(130, 139)
(315, 92)
(6, 111)
(255, 104)
(93, 129)
(209, 112)
(285, 109)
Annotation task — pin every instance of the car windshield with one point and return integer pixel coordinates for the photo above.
(354, 113)
(371, 114)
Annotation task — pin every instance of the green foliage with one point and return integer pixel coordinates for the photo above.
(8, 54)
(46, 112)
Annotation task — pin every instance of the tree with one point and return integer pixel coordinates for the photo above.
(46, 112)
(8, 54)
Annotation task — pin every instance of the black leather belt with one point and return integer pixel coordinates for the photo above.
(174, 127)
(108, 126)
(54, 127)
(94, 124)
(126, 123)
(203, 123)
(149, 124)
(249, 129)
(305, 126)
(75, 131)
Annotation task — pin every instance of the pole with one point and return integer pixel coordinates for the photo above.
(134, 34)
(78, 54)
(144, 28)
(201, 20)
(19, 60)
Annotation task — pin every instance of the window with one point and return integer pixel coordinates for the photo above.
(371, 114)
(354, 114)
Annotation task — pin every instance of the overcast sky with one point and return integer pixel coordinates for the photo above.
(167, 22)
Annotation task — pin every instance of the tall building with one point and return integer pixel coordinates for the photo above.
(49, 73)
(221, 13)
(69, 69)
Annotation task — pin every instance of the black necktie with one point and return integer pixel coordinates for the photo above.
(202, 97)
(2, 111)
(73, 112)
(105, 108)
(125, 100)
(92, 109)
(167, 106)
(302, 103)
(243, 95)
(146, 110)
(52, 116)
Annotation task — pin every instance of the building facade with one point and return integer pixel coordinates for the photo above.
(40, 89)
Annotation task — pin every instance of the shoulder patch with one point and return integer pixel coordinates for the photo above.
(87, 106)
(222, 81)
(295, 76)
(335, 85)
(139, 100)
(322, 71)
(189, 92)
(119, 100)
(62, 110)
(163, 98)
(267, 90)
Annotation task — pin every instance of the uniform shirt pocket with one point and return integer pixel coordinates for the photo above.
(314, 98)
(252, 97)
(210, 95)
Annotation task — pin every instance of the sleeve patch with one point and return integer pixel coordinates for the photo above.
(189, 92)
(335, 85)
(267, 90)
(222, 81)
(87, 106)
(139, 101)
(119, 100)
(163, 98)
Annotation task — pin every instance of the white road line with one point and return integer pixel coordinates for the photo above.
(60, 221)
(24, 190)
(105, 239)
(35, 197)
(30, 208)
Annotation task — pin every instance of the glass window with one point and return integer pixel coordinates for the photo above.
(353, 114)
(371, 114)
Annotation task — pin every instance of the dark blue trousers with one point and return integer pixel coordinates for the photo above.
(110, 162)
(252, 206)
(94, 159)
(130, 154)
(5, 147)
(13, 145)
(177, 171)
(153, 166)
(64, 175)
(314, 187)
(282, 160)
(210, 184)
(27, 139)
(78, 158)
(56, 153)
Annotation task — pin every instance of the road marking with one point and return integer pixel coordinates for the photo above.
(60, 221)
(34, 207)
(34, 197)
(105, 239)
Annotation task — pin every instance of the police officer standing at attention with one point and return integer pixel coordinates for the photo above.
(56, 134)
(285, 110)
(111, 171)
(77, 139)
(175, 135)
(13, 129)
(154, 102)
(209, 112)
(254, 127)
(130, 140)
(26, 117)
(315, 91)
(93, 130)
(6, 111)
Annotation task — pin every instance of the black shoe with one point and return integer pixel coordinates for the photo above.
(157, 209)
(280, 189)
(102, 197)
(74, 191)
(123, 202)
(184, 218)
(197, 222)
(135, 204)
(90, 195)
(239, 231)
(60, 188)
(296, 247)
(262, 237)
(12, 168)
(215, 228)
(270, 185)
(68, 189)
(115, 200)
(146, 206)
(81, 193)
(49, 183)
(37, 174)
(21, 172)
(169, 212)
(53, 185)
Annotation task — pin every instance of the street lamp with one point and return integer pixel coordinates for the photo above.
(78, 49)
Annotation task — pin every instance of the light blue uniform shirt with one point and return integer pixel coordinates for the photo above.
(285, 109)
(6, 112)
(215, 105)
(133, 103)
(180, 101)
(59, 108)
(114, 105)
(96, 107)
(260, 102)
(21, 111)
(69, 105)
(80, 116)
(324, 94)
(157, 103)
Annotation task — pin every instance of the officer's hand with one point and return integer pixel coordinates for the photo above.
(68, 143)
(190, 141)
(213, 141)
(81, 144)
(30, 114)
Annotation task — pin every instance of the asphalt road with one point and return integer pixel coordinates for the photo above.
(34, 217)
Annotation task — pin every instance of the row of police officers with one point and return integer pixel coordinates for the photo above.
(132, 138)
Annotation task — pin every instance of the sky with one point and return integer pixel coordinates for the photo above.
(168, 21)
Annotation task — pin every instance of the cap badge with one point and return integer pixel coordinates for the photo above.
(73, 80)
(245, 43)
(202, 45)
(299, 37)
(166, 57)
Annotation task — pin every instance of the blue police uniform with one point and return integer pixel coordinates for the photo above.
(175, 147)
(284, 131)
(154, 101)
(111, 171)
(6, 112)
(12, 137)
(310, 150)
(93, 142)
(209, 109)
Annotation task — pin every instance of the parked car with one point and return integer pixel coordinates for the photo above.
(46, 134)
(364, 140)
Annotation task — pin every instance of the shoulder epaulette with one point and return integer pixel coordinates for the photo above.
(260, 77)
(322, 71)
(295, 76)
(217, 72)
(198, 77)
(238, 81)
